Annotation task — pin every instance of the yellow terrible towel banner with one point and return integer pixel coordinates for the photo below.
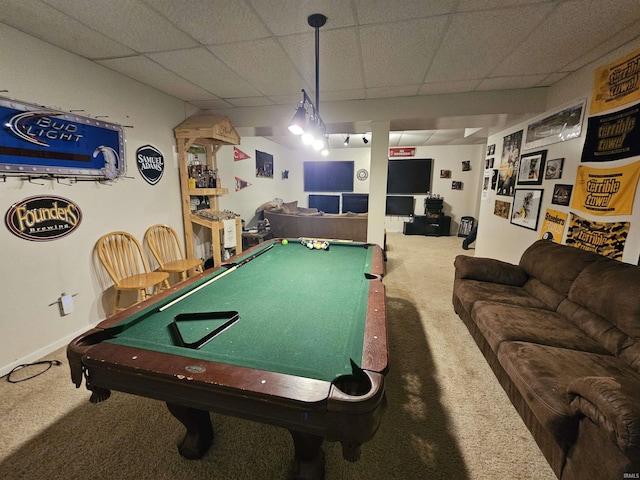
(606, 191)
(617, 83)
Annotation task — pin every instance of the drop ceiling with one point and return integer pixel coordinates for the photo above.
(441, 72)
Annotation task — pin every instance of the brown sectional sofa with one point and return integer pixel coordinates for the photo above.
(561, 331)
(287, 220)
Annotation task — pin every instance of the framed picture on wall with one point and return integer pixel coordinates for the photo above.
(531, 168)
(554, 169)
(526, 208)
(561, 194)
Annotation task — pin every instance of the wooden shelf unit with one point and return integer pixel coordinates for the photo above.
(210, 132)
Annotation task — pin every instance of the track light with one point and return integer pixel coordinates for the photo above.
(346, 141)
(313, 132)
(299, 120)
(364, 139)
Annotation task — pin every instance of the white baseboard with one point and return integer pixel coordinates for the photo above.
(40, 353)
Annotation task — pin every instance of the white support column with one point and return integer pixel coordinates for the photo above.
(378, 181)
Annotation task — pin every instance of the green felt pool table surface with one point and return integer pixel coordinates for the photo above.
(302, 312)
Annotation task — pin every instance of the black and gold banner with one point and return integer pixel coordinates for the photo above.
(606, 239)
(613, 136)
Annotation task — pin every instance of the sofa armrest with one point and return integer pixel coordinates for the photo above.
(613, 406)
(489, 270)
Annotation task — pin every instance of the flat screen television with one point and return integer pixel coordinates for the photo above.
(409, 176)
(328, 176)
(355, 202)
(325, 203)
(399, 205)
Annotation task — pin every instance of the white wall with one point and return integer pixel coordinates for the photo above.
(458, 203)
(497, 238)
(34, 274)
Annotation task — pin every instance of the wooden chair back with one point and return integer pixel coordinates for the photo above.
(164, 244)
(122, 257)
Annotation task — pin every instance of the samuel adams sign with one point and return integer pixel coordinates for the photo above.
(150, 163)
(43, 218)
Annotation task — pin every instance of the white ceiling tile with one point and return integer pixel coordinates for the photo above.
(448, 87)
(213, 21)
(396, 54)
(250, 101)
(573, 28)
(35, 18)
(149, 72)
(476, 5)
(217, 103)
(375, 11)
(339, 59)
(621, 38)
(132, 22)
(264, 63)
(202, 68)
(286, 17)
(506, 83)
(475, 43)
(385, 92)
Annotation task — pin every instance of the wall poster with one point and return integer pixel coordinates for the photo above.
(560, 126)
(553, 225)
(509, 164)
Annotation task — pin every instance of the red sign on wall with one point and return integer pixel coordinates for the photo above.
(402, 152)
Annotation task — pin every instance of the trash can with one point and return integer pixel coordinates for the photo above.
(466, 224)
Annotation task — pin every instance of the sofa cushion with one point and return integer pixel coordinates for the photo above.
(542, 375)
(489, 270)
(470, 291)
(500, 322)
(612, 404)
(290, 207)
(604, 289)
(543, 292)
(555, 265)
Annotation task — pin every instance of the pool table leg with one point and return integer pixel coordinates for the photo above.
(199, 435)
(309, 457)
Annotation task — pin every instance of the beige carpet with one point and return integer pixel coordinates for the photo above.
(448, 418)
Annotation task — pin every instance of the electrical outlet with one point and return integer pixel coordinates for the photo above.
(66, 304)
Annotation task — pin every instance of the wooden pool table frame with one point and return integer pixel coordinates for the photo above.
(348, 410)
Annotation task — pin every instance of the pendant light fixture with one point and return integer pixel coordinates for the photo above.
(306, 121)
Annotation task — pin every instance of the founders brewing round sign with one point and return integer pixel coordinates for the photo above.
(150, 163)
(43, 218)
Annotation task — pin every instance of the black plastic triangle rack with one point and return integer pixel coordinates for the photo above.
(231, 317)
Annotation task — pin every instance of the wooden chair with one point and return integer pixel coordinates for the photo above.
(121, 255)
(167, 250)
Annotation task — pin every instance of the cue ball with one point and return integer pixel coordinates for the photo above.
(285, 241)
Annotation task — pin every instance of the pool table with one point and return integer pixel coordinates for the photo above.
(287, 333)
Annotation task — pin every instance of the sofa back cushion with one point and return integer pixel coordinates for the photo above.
(555, 265)
(606, 305)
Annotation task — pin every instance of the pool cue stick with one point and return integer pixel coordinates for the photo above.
(209, 282)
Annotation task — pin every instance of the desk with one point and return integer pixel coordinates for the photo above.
(304, 314)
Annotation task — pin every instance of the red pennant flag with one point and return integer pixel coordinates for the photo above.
(240, 184)
(239, 154)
